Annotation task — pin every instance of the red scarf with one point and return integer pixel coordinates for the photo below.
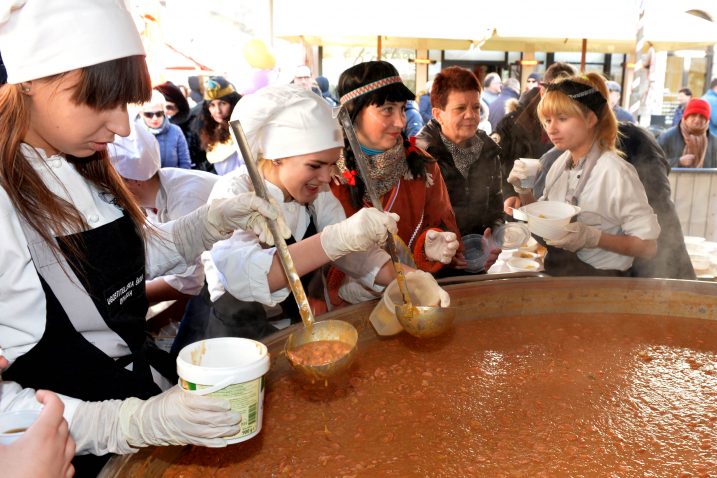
(695, 144)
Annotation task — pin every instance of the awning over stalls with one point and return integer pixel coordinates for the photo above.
(419, 24)
(610, 26)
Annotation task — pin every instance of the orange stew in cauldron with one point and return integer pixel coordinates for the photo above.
(580, 395)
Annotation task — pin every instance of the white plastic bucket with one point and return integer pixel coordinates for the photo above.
(231, 368)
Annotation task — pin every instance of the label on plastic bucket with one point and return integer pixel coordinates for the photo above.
(246, 398)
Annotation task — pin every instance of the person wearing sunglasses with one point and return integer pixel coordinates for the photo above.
(172, 143)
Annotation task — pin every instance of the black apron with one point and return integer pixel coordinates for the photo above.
(66, 361)
(560, 262)
(231, 317)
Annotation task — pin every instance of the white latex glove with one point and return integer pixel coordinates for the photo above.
(424, 291)
(244, 211)
(517, 174)
(178, 417)
(354, 292)
(174, 417)
(199, 230)
(440, 246)
(360, 232)
(579, 236)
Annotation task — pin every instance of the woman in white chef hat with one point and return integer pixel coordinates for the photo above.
(73, 256)
(166, 194)
(297, 141)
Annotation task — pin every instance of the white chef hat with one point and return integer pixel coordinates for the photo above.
(287, 120)
(302, 71)
(43, 38)
(136, 156)
(156, 103)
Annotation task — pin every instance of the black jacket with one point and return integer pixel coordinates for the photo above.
(478, 200)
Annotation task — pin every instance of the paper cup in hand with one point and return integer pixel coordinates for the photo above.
(531, 165)
(14, 424)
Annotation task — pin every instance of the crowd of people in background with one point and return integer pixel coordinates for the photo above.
(205, 143)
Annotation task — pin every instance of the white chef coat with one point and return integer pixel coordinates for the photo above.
(613, 200)
(22, 299)
(239, 265)
(182, 191)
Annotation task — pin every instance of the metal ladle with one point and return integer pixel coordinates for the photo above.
(327, 330)
(419, 321)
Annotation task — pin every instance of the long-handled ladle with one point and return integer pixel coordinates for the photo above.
(419, 321)
(313, 332)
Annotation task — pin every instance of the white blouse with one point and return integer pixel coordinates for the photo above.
(181, 192)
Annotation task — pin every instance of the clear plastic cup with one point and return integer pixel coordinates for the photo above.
(532, 167)
(511, 235)
(476, 251)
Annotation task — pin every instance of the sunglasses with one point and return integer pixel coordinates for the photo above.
(152, 114)
(170, 107)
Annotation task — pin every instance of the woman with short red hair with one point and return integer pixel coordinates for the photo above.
(469, 160)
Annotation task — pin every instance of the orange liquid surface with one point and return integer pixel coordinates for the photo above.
(540, 396)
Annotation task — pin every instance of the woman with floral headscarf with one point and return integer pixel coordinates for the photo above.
(407, 179)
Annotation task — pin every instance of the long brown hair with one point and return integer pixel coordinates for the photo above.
(102, 86)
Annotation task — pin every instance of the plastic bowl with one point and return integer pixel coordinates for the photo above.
(701, 262)
(548, 219)
(475, 252)
(13, 424)
(518, 264)
(511, 235)
(530, 246)
(526, 255)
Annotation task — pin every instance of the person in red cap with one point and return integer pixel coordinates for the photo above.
(689, 144)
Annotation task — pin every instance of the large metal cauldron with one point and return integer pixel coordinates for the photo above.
(496, 296)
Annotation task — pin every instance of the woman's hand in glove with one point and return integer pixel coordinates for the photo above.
(244, 211)
(360, 232)
(579, 236)
(178, 417)
(518, 174)
(440, 246)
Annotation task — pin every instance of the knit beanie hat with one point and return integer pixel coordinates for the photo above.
(697, 106)
(172, 93)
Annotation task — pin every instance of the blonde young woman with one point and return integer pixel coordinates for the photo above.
(616, 223)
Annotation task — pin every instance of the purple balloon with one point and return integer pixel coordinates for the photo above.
(259, 79)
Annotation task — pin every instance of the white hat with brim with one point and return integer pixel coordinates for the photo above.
(136, 156)
(285, 120)
(44, 38)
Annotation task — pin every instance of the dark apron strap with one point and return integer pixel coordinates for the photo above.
(231, 317)
(66, 287)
